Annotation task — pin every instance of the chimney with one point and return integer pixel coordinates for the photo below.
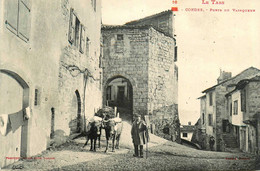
(189, 123)
(224, 76)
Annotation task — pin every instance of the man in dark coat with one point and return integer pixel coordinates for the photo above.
(211, 143)
(139, 135)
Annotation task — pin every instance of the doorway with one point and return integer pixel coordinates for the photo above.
(119, 93)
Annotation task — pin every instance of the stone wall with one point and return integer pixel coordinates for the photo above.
(146, 58)
(127, 58)
(39, 64)
(220, 113)
(163, 21)
(163, 83)
(253, 113)
(253, 98)
(221, 90)
(70, 82)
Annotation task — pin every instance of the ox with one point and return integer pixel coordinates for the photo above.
(93, 132)
(113, 129)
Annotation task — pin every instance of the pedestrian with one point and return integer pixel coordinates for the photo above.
(139, 135)
(211, 143)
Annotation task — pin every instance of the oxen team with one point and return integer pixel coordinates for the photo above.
(113, 128)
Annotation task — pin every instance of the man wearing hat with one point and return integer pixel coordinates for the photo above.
(139, 135)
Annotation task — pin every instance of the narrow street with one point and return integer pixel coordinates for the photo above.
(162, 155)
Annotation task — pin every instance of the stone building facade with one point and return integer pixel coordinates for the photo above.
(50, 75)
(244, 114)
(144, 52)
(214, 107)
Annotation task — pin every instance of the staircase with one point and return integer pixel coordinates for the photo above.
(230, 141)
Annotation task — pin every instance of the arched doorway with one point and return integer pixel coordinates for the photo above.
(75, 118)
(78, 111)
(119, 93)
(14, 93)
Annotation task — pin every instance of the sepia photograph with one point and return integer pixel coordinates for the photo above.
(135, 85)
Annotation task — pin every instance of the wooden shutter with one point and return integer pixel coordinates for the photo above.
(72, 26)
(24, 19)
(82, 39)
(12, 15)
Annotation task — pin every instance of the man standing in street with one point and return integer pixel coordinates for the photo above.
(139, 135)
(211, 143)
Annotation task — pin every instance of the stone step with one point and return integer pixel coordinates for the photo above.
(230, 141)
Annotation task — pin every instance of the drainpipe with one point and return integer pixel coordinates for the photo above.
(85, 79)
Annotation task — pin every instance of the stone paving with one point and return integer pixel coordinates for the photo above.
(162, 155)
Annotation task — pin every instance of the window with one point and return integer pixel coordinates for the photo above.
(203, 118)
(184, 134)
(36, 97)
(235, 107)
(210, 99)
(18, 18)
(82, 39)
(72, 26)
(166, 130)
(175, 53)
(119, 45)
(76, 32)
(210, 120)
(120, 37)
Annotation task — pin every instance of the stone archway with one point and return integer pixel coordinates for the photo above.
(15, 90)
(78, 111)
(75, 118)
(118, 92)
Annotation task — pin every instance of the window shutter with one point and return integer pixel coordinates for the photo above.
(82, 39)
(175, 53)
(24, 19)
(72, 26)
(12, 15)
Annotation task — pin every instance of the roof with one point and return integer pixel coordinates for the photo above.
(111, 27)
(149, 17)
(107, 27)
(213, 87)
(201, 97)
(187, 128)
(241, 84)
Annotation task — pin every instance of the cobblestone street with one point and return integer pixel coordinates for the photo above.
(162, 155)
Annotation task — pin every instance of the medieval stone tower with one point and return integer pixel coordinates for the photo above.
(140, 72)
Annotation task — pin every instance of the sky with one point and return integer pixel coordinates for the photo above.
(208, 41)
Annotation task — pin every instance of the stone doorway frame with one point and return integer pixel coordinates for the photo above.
(78, 111)
(25, 103)
(130, 81)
